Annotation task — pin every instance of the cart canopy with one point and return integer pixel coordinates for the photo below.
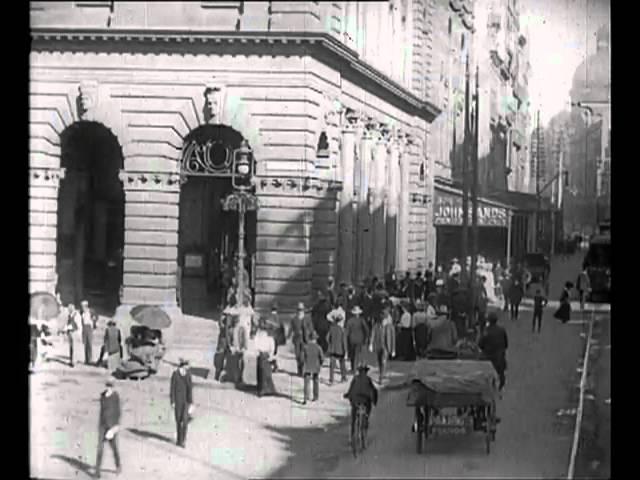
(456, 378)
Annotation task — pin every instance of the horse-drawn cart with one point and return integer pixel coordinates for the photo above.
(453, 397)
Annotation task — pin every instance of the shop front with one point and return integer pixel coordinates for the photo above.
(493, 227)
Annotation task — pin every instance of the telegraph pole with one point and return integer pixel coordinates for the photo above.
(465, 177)
(538, 194)
(474, 184)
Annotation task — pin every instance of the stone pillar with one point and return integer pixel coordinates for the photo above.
(392, 206)
(43, 218)
(346, 244)
(150, 257)
(403, 214)
(378, 197)
(364, 236)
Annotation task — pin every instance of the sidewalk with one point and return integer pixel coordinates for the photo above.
(234, 434)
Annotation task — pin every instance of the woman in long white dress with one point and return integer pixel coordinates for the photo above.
(486, 269)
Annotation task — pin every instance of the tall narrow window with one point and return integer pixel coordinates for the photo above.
(462, 41)
(450, 25)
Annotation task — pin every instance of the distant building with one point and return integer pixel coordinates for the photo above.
(589, 163)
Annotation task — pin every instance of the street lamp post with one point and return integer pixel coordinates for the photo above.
(241, 200)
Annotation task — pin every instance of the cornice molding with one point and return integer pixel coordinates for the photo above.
(412, 104)
(46, 177)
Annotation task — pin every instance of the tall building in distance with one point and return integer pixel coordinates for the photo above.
(538, 162)
(589, 164)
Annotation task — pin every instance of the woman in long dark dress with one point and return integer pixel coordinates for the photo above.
(564, 311)
(266, 347)
(406, 350)
(516, 292)
(421, 330)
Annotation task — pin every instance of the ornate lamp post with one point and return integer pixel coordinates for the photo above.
(242, 200)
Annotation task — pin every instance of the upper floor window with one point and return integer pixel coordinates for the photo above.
(462, 41)
(450, 24)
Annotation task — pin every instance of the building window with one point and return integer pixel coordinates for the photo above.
(462, 41)
(450, 25)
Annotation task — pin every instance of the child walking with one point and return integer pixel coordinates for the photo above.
(539, 302)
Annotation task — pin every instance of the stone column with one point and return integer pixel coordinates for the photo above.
(346, 217)
(364, 240)
(392, 206)
(43, 219)
(150, 257)
(403, 214)
(378, 197)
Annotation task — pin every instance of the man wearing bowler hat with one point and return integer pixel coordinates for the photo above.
(301, 330)
(312, 363)
(181, 396)
(108, 425)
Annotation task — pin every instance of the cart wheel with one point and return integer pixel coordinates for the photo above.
(420, 430)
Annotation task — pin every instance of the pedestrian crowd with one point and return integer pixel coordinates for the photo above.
(394, 319)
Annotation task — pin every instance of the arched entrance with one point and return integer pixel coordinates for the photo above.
(90, 233)
(208, 235)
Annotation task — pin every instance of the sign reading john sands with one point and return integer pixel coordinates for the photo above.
(448, 211)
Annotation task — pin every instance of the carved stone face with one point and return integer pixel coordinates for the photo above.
(87, 97)
(211, 103)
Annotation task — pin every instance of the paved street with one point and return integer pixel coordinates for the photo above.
(531, 440)
(237, 435)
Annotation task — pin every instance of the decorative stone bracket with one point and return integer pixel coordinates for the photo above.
(419, 198)
(150, 181)
(46, 177)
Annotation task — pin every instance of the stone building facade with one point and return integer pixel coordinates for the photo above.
(589, 163)
(337, 113)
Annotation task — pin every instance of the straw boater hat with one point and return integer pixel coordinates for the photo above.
(356, 310)
(183, 362)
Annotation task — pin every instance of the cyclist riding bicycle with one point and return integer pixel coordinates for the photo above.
(361, 392)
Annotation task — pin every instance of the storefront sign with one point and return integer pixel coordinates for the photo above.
(448, 211)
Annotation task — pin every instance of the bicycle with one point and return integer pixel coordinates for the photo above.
(359, 435)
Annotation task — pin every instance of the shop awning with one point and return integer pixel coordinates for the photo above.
(448, 209)
(520, 201)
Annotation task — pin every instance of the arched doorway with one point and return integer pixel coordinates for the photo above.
(90, 233)
(208, 235)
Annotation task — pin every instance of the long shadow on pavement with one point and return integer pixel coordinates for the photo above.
(147, 434)
(80, 465)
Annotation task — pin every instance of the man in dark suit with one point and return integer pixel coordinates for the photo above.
(361, 391)
(319, 319)
(312, 359)
(357, 333)
(494, 344)
(108, 425)
(181, 396)
(301, 329)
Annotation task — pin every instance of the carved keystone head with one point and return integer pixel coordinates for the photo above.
(351, 116)
(87, 99)
(212, 103)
